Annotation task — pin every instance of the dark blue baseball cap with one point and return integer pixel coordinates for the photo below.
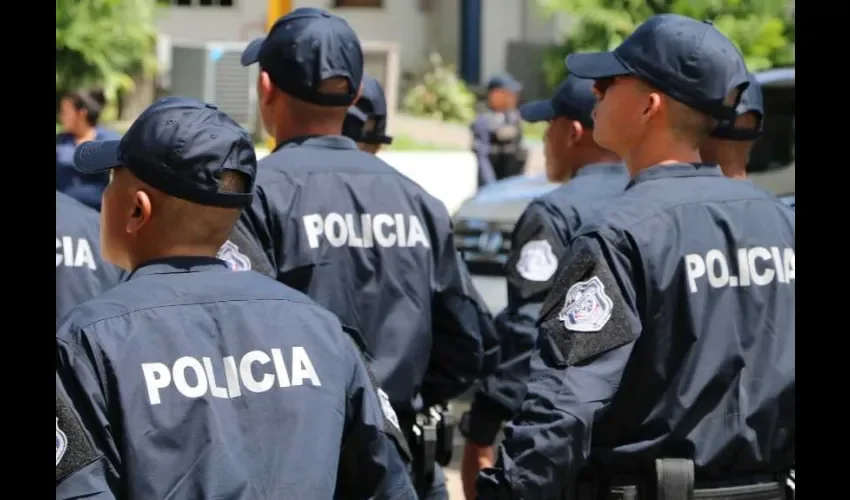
(306, 47)
(503, 81)
(181, 147)
(573, 99)
(372, 105)
(684, 58)
(752, 101)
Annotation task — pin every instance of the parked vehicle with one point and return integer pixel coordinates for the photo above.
(483, 224)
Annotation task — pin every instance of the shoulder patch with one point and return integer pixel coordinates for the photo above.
(61, 443)
(74, 448)
(537, 261)
(587, 320)
(587, 308)
(230, 253)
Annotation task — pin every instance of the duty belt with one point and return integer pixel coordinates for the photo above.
(675, 481)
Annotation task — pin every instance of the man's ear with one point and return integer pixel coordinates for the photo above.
(266, 88)
(575, 134)
(141, 212)
(653, 105)
(359, 93)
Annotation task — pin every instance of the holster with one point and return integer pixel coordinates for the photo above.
(430, 435)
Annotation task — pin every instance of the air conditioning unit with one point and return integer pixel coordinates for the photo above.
(211, 72)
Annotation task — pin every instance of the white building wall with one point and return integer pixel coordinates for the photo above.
(416, 31)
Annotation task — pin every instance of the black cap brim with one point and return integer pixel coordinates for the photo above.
(251, 54)
(537, 111)
(96, 156)
(596, 65)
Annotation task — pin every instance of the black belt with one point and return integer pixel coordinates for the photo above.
(675, 481)
(763, 491)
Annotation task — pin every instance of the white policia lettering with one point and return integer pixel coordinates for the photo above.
(756, 266)
(365, 230)
(74, 252)
(237, 374)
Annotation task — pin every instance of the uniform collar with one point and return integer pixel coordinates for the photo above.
(677, 170)
(172, 265)
(602, 169)
(318, 141)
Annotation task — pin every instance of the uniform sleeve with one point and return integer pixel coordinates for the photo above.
(370, 464)
(257, 234)
(531, 271)
(80, 467)
(588, 328)
(80, 372)
(481, 148)
(465, 344)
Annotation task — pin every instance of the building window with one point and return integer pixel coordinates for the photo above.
(358, 3)
(202, 3)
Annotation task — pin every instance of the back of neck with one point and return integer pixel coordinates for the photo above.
(151, 254)
(284, 134)
(85, 135)
(643, 158)
(602, 156)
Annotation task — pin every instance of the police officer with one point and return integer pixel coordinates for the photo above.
(366, 121)
(731, 141)
(593, 175)
(194, 380)
(81, 273)
(497, 132)
(668, 338)
(82, 473)
(359, 237)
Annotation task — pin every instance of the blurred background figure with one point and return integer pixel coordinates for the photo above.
(366, 121)
(497, 132)
(79, 112)
(731, 142)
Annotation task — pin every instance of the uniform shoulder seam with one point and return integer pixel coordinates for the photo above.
(197, 303)
(662, 210)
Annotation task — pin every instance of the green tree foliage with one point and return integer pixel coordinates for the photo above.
(103, 43)
(440, 94)
(762, 29)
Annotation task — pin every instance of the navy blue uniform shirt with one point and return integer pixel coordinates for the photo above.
(198, 382)
(81, 273)
(80, 467)
(372, 246)
(538, 243)
(668, 333)
(86, 188)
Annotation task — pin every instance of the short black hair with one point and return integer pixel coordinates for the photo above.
(91, 100)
